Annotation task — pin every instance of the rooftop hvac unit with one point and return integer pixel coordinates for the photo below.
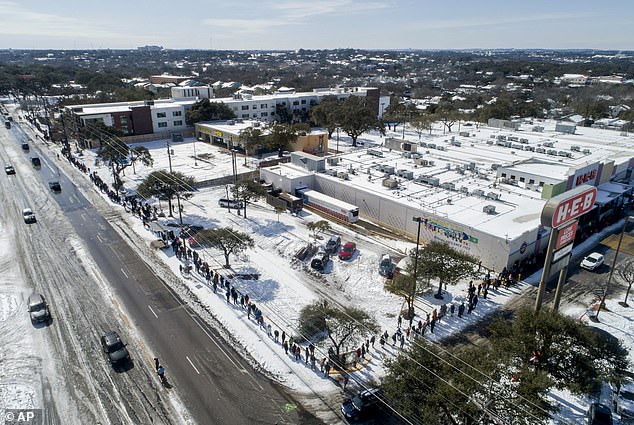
(489, 209)
(333, 160)
(441, 148)
(495, 166)
(386, 169)
(489, 142)
(549, 144)
(551, 152)
(448, 186)
(523, 140)
(343, 175)
(464, 189)
(517, 146)
(449, 201)
(513, 138)
(431, 145)
(478, 192)
(416, 155)
(492, 136)
(406, 174)
(375, 152)
(575, 148)
(406, 154)
(460, 171)
(586, 152)
(422, 144)
(540, 150)
(331, 172)
(493, 195)
(456, 143)
(390, 183)
(529, 148)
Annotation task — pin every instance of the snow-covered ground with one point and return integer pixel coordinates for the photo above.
(286, 284)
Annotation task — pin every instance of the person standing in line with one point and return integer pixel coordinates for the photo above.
(277, 335)
(307, 355)
(432, 325)
(285, 345)
(452, 309)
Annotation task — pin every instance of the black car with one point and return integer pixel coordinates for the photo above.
(320, 261)
(38, 309)
(363, 405)
(25, 146)
(55, 186)
(9, 169)
(332, 246)
(36, 161)
(599, 414)
(114, 348)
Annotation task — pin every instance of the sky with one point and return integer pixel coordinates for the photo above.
(317, 24)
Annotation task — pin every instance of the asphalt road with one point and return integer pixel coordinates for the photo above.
(213, 380)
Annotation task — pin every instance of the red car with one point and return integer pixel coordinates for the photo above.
(348, 249)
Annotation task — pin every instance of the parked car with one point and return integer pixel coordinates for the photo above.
(320, 261)
(363, 405)
(624, 400)
(114, 348)
(9, 169)
(592, 261)
(386, 267)
(599, 414)
(25, 146)
(347, 251)
(28, 215)
(36, 161)
(55, 186)
(333, 243)
(38, 309)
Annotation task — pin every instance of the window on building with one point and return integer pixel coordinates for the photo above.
(161, 115)
(245, 115)
(264, 106)
(283, 103)
(254, 107)
(541, 184)
(264, 114)
(295, 102)
(245, 107)
(512, 177)
(272, 113)
(124, 120)
(177, 113)
(303, 101)
(162, 124)
(124, 129)
(522, 179)
(531, 181)
(304, 109)
(179, 122)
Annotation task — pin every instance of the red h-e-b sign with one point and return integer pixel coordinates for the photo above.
(566, 235)
(573, 207)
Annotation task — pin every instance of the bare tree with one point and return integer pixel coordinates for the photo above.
(626, 272)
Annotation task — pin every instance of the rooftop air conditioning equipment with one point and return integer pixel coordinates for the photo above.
(464, 189)
(575, 148)
(540, 150)
(448, 186)
(489, 209)
(478, 192)
(390, 183)
(586, 152)
(493, 195)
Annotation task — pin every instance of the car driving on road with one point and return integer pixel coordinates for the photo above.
(28, 215)
(114, 348)
(55, 186)
(38, 309)
(9, 169)
(592, 261)
(363, 405)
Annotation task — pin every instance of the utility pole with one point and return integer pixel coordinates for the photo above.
(410, 312)
(178, 198)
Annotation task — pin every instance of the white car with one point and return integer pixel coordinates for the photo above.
(28, 215)
(592, 261)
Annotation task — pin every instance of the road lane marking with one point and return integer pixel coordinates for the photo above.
(99, 239)
(190, 362)
(152, 311)
(124, 273)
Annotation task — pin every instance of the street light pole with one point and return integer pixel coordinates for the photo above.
(616, 254)
(410, 311)
(178, 198)
(337, 139)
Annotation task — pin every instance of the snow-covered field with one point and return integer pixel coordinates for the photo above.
(286, 284)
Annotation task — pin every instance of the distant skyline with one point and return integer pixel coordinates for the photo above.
(318, 24)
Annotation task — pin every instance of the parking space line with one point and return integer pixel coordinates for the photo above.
(152, 310)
